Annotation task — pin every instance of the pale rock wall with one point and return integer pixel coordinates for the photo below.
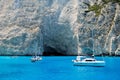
(36, 26)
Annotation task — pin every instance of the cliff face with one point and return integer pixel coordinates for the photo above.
(64, 26)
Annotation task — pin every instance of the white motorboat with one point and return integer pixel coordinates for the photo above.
(88, 62)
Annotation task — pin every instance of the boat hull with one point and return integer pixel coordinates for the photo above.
(89, 63)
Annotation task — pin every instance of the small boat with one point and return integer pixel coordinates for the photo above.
(36, 58)
(83, 61)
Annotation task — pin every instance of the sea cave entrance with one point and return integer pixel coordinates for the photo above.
(49, 51)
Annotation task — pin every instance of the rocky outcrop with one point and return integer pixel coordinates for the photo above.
(59, 26)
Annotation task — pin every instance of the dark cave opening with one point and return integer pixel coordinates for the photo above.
(49, 51)
(52, 54)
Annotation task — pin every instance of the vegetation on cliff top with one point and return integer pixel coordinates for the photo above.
(97, 7)
(114, 1)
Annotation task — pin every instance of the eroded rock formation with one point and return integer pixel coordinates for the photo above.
(64, 26)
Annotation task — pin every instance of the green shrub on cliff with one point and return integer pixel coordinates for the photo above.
(114, 1)
(97, 7)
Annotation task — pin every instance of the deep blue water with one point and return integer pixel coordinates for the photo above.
(56, 68)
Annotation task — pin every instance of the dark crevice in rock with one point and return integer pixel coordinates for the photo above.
(49, 51)
(52, 54)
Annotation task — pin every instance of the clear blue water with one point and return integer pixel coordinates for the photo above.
(56, 68)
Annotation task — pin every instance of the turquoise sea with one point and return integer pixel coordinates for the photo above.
(56, 68)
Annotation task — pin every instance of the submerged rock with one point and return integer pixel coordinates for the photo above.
(59, 26)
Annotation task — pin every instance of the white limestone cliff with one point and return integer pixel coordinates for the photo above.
(63, 26)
